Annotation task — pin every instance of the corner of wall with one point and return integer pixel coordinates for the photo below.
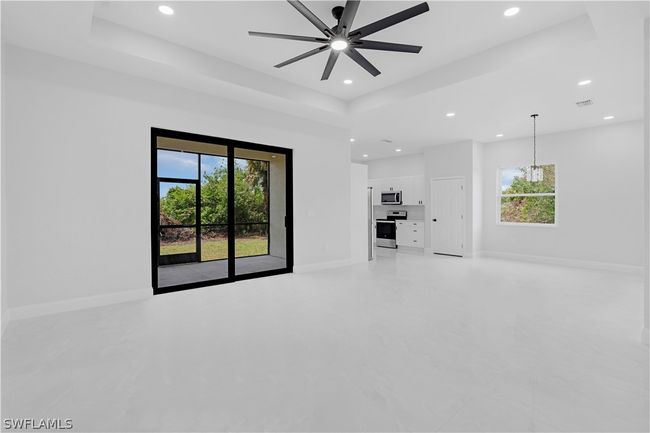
(477, 196)
(646, 180)
(4, 313)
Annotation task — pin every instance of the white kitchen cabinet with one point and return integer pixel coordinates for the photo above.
(412, 188)
(393, 184)
(413, 191)
(405, 185)
(410, 233)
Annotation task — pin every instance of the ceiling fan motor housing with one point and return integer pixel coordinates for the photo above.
(337, 12)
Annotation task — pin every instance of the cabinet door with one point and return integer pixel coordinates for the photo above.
(406, 185)
(387, 184)
(417, 190)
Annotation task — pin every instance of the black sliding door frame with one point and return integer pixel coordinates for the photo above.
(172, 259)
(231, 145)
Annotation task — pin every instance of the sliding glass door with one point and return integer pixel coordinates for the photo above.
(214, 207)
(179, 240)
(260, 211)
(223, 210)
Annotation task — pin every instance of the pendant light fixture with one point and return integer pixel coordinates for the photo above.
(535, 173)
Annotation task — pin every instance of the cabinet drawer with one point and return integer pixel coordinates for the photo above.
(410, 234)
(411, 243)
(416, 242)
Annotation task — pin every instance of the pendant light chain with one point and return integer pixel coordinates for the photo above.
(535, 141)
(534, 116)
(535, 173)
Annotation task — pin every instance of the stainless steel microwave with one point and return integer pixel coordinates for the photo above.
(391, 197)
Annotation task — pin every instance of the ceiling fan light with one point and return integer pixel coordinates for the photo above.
(339, 44)
(165, 10)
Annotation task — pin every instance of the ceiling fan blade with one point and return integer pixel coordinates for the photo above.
(390, 21)
(387, 46)
(330, 64)
(349, 12)
(362, 61)
(290, 37)
(311, 17)
(303, 56)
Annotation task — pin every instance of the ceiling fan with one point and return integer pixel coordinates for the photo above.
(341, 38)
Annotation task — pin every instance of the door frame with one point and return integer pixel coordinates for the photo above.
(231, 145)
(176, 259)
(464, 210)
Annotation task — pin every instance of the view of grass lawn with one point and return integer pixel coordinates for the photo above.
(213, 249)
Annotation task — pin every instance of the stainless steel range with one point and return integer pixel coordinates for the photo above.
(387, 229)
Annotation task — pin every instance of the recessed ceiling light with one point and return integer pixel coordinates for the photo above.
(450, 114)
(511, 12)
(347, 81)
(272, 156)
(165, 10)
(352, 140)
(499, 135)
(398, 150)
(584, 82)
(365, 155)
(339, 44)
(608, 117)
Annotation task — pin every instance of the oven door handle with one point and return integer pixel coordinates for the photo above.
(385, 222)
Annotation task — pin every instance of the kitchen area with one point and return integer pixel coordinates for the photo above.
(398, 209)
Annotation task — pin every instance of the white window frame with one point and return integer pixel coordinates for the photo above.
(547, 194)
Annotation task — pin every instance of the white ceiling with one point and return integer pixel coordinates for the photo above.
(492, 71)
(449, 31)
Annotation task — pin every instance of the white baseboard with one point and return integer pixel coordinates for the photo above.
(37, 310)
(573, 263)
(466, 255)
(299, 269)
(410, 250)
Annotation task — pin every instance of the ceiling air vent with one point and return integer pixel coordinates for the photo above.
(585, 103)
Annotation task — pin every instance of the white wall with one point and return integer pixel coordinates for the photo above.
(398, 166)
(359, 212)
(599, 190)
(645, 334)
(78, 156)
(3, 286)
(451, 160)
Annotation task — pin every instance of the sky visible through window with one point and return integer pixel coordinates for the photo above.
(507, 176)
(184, 165)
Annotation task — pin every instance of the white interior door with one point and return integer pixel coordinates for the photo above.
(447, 216)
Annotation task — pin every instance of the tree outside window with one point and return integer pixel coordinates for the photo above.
(525, 202)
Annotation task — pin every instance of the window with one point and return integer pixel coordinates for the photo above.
(525, 202)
